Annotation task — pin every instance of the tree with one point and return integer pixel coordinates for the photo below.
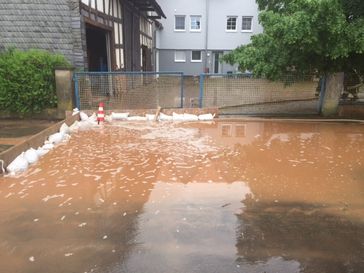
(305, 37)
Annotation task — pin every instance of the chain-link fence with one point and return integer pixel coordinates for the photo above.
(245, 94)
(128, 90)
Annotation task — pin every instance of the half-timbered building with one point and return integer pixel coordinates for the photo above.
(96, 35)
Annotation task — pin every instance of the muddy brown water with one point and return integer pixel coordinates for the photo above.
(198, 197)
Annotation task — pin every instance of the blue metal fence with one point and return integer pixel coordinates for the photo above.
(129, 90)
(231, 93)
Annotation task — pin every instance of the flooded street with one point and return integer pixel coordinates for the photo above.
(227, 196)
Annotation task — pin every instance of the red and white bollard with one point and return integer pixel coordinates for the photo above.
(100, 113)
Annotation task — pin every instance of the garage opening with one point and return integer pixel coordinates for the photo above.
(98, 52)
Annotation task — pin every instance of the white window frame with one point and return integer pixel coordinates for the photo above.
(196, 61)
(195, 16)
(236, 23)
(179, 30)
(179, 60)
(251, 25)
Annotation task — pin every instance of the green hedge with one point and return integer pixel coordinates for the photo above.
(27, 82)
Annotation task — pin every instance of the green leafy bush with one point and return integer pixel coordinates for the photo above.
(27, 81)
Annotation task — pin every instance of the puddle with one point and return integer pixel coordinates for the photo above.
(198, 197)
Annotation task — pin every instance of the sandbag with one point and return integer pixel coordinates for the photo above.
(31, 156)
(48, 146)
(206, 117)
(74, 127)
(41, 152)
(56, 138)
(165, 117)
(190, 117)
(108, 118)
(178, 117)
(150, 117)
(75, 111)
(83, 116)
(19, 164)
(119, 116)
(93, 117)
(64, 129)
(137, 118)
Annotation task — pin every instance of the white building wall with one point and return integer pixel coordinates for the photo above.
(213, 37)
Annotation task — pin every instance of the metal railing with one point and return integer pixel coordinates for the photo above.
(129, 90)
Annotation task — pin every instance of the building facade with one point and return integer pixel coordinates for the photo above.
(196, 33)
(94, 35)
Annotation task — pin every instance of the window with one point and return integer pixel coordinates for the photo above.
(179, 23)
(247, 23)
(231, 23)
(226, 130)
(195, 23)
(180, 56)
(196, 56)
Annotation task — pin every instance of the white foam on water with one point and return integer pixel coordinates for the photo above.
(49, 197)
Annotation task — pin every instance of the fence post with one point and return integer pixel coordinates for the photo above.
(182, 90)
(77, 94)
(202, 78)
(63, 78)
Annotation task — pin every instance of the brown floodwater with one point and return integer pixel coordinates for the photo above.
(226, 196)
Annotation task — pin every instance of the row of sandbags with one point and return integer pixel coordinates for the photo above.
(31, 156)
(162, 117)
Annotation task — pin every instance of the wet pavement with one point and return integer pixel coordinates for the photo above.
(198, 197)
(13, 132)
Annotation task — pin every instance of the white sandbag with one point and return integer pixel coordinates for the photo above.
(64, 129)
(19, 164)
(165, 117)
(178, 117)
(75, 111)
(190, 117)
(31, 156)
(108, 118)
(83, 116)
(93, 117)
(84, 125)
(56, 138)
(74, 127)
(150, 117)
(66, 138)
(47, 146)
(41, 152)
(206, 117)
(137, 118)
(119, 116)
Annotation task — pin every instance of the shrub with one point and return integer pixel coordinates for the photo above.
(27, 81)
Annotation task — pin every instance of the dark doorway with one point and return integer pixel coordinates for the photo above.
(147, 59)
(217, 64)
(97, 53)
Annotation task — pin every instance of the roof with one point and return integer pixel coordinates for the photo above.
(149, 5)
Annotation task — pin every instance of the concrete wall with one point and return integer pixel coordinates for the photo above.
(52, 25)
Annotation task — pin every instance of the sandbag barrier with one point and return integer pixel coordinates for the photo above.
(18, 158)
(30, 146)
